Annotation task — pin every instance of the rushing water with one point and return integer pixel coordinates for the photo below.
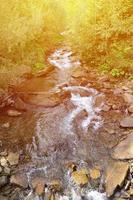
(59, 128)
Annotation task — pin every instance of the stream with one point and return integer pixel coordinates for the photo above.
(62, 125)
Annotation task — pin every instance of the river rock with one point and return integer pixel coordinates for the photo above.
(13, 113)
(124, 149)
(128, 98)
(3, 162)
(3, 181)
(55, 186)
(130, 109)
(95, 173)
(80, 177)
(127, 122)
(38, 185)
(6, 125)
(20, 180)
(115, 176)
(7, 170)
(13, 158)
(3, 197)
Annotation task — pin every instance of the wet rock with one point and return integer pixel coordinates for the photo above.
(106, 108)
(0, 169)
(3, 153)
(13, 158)
(3, 162)
(38, 185)
(80, 177)
(20, 180)
(124, 150)
(95, 173)
(7, 170)
(3, 181)
(131, 191)
(130, 109)
(13, 113)
(115, 176)
(19, 104)
(127, 122)
(128, 98)
(3, 197)
(6, 125)
(55, 186)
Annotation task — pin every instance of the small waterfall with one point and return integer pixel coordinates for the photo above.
(83, 103)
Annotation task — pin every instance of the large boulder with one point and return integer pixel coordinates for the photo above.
(124, 149)
(115, 176)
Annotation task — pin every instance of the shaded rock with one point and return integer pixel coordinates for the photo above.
(3, 181)
(95, 173)
(115, 176)
(127, 122)
(3, 162)
(13, 158)
(80, 177)
(0, 169)
(7, 170)
(19, 104)
(20, 180)
(128, 98)
(3, 197)
(124, 149)
(13, 113)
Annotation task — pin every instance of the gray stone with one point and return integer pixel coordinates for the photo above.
(124, 149)
(115, 176)
(3, 181)
(127, 122)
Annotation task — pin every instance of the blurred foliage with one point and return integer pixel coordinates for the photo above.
(100, 31)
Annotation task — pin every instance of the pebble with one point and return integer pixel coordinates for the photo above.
(55, 186)
(95, 173)
(6, 125)
(13, 113)
(13, 158)
(3, 162)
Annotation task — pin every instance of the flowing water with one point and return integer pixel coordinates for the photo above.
(61, 126)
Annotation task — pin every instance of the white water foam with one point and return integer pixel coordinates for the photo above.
(91, 195)
(85, 103)
(62, 59)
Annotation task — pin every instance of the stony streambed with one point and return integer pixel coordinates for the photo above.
(67, 134)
